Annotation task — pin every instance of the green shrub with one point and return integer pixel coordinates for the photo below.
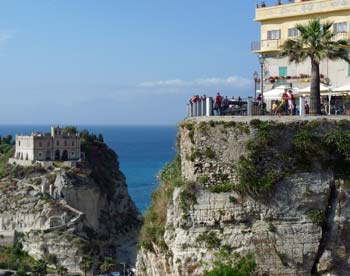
(271, 227)
(232, 199)
(224, 187)
(209, 153)
(233, 266)
(317, 217)
(188, 196)
(204, 179)
(209, 239)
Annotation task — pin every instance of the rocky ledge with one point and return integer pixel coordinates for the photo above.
(269, 196)
(70, 212)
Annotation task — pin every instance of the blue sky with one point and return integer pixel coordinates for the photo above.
(120, 61)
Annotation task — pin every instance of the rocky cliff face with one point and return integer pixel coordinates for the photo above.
(278, 189)
(71, 212)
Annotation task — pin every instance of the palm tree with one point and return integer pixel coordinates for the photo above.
(86, 264)
(107, 265)
(316, 42)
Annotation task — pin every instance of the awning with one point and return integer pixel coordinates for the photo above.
(276, 93)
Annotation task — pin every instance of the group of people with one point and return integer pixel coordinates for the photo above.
(286, 106)
(221, 104)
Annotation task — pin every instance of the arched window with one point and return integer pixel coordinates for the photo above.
(58, 143)
(19, 143)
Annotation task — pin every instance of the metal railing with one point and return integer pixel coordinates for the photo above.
(266, 45)
(246, 107)
(341, 36)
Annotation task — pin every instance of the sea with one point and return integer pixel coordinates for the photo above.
(142, 150)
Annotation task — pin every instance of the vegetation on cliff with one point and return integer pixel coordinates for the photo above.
(232, 265)
(297, 147)
(153, 228)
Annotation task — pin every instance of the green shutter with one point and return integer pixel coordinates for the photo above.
(348, 69)
(283, 73)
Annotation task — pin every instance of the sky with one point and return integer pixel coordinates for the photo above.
(121, 62)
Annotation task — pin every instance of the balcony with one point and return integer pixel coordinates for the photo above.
(342, 36)
(268, 45)
(304, 8)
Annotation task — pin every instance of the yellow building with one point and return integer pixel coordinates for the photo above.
(278, 24)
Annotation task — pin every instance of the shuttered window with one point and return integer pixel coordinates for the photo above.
(274, 34)
(341, 27)
(293, 32)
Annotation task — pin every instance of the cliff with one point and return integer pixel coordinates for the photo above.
(70, 212)
(269, 196)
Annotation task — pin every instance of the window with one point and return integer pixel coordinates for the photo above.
(19, 143)
(341, 27)
(282, 71)
(293, 32)
(73, 143)
(58, 143)
(348, 69)
(273, 34)
(48, 144)
(65, 143)
(72, 153)
(40, 144)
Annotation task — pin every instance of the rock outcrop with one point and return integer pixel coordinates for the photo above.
(277, 189)
(71, 212)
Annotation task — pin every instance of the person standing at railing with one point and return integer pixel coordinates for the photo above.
(291, 102)
(224, 105)
(217, 104)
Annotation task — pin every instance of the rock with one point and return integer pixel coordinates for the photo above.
(75, 212)
(326, 262)
(281, 226)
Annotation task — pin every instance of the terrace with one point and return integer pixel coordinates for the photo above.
(292, 8)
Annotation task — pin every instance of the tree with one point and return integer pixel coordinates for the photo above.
(70, 130)
(40, 268)
(61, 270)
(107, 266)
(21, 271)
(316, 42)
(100, 138)
(86, 264)
(7, 139)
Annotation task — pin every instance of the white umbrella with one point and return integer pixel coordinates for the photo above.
(276, 93)
(345, 88)
(323, 88)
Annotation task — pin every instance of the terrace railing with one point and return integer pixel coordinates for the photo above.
(245, 107)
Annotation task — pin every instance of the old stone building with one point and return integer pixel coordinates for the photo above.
(57, 145)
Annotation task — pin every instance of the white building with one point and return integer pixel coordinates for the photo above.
(57, 145)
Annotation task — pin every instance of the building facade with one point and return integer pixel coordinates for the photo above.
(56, 145)
(278, 24)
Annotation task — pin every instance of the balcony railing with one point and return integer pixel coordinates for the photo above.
(266, 45)
(300, 8)
(342, 36)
